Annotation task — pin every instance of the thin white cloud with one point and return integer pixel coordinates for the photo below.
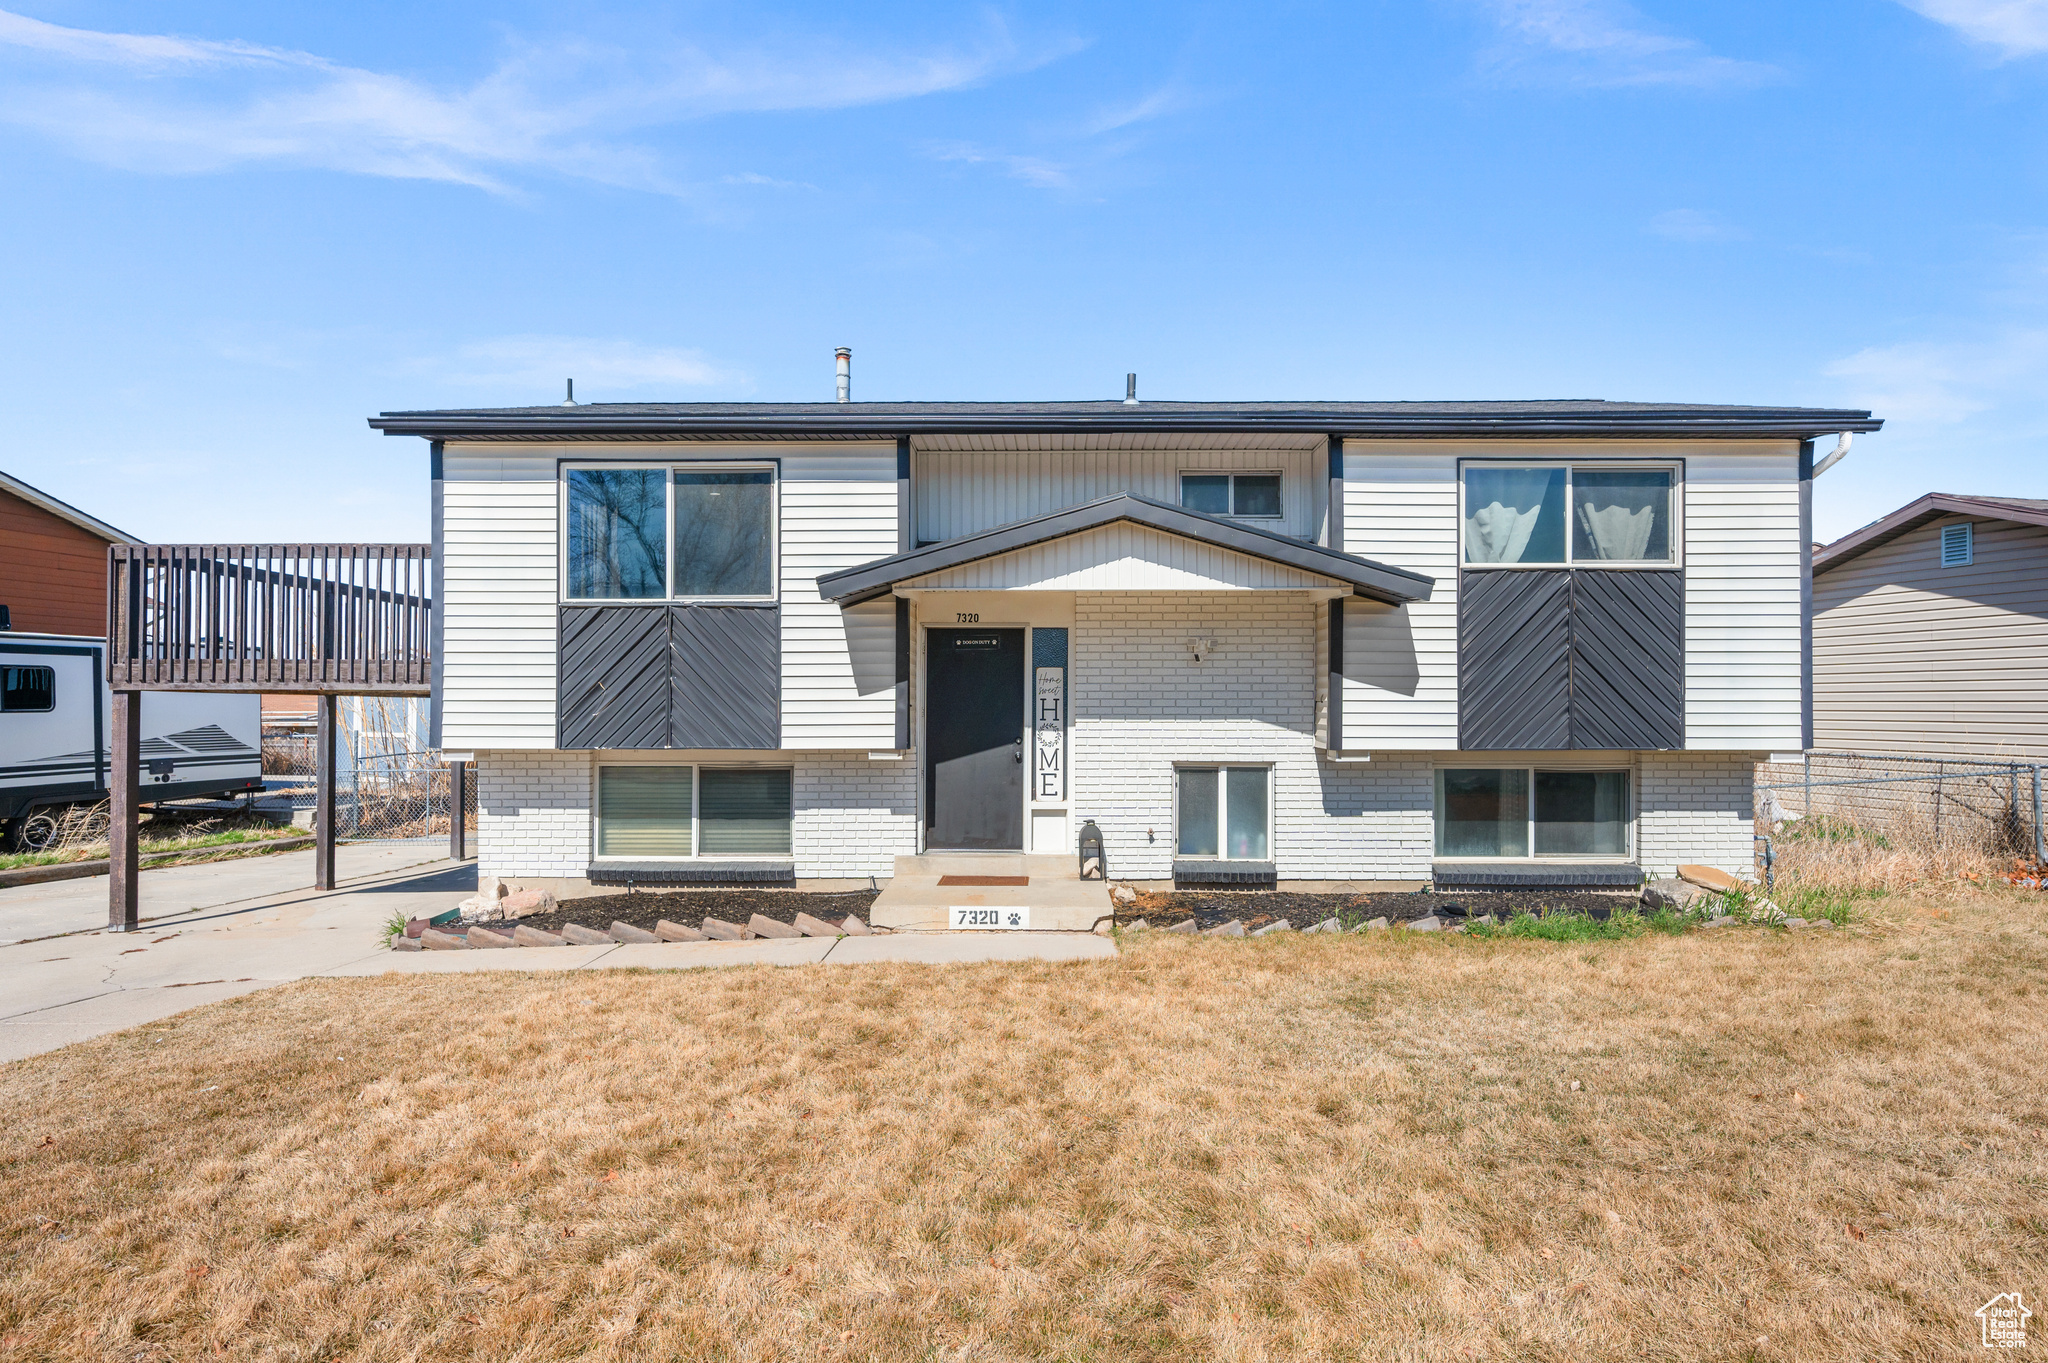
(1604, 43)
(1035, 171)
(1946, 382)
(2017, 28)
(538, 364)
(181, 105)
(1166, 100)
(1690, 224)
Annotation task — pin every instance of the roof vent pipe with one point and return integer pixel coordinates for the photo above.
(570, 400)
(1130, 390)
(1834, 455)
(844, 354)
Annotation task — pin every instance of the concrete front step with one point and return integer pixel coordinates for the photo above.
(1059, 900)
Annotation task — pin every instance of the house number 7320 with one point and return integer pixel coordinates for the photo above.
(964, 618)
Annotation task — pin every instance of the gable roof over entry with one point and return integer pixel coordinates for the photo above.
(1286, 563)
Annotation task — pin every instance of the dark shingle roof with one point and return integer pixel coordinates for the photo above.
(1932, 507)
(1575, 417)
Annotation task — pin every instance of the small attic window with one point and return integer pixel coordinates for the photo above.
(1957, 545)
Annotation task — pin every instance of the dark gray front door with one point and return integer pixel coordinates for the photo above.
(974, 738)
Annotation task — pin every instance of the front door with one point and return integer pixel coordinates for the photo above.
(974, 739)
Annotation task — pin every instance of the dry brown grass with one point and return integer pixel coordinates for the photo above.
(1745, 1144)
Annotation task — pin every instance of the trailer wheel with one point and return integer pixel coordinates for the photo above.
(37, 833)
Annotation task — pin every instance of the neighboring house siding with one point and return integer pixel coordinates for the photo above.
(498, 596)
(851, 817)
(960, 492)
(1912, 657)
(1742, 606)
(53, 575)
(1141, 705)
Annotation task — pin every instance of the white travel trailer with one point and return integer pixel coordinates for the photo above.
(56, 735)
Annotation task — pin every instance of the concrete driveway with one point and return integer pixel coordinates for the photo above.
(55, 990)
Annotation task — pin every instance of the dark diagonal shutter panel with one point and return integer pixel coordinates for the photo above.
(1514, 659)
(1628, 660)
(726, 677)
(612, 677)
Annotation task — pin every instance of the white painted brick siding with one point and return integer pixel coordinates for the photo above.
(1695, 808)
(852, 817)
(1141, 705)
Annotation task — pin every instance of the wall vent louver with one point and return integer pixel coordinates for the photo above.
(1957, 544)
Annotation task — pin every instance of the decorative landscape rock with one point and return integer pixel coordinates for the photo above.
(1429, 924)
(1671, 893)
(1189, 926)
(484, 937)
(1793, 923)
(816, 927)
(1327, 925)
(718, 930)
(1282, 926)
(853, 927)
(1708, 877)
(627, 933)
(404, 943)
(1231, 929)
(586, 937)
(431, 940)
(1124, 895)
(1819, 923)
(1722, 921)
(760, 925)
(676, 932)
(527, 902)
(1140, 926)
(1376, 925)
(534, 937)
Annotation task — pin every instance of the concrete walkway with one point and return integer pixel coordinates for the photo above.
(58, 990)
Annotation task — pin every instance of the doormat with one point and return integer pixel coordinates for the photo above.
(984, 880)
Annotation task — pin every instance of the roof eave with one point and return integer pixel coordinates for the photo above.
(64, 511)
(1911, 517)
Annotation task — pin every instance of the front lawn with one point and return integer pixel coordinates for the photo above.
(1739, 1144)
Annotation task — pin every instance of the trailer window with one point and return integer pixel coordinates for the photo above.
(27, 688)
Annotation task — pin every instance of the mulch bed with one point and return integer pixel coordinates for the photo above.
(642, 909)
(1255, 908)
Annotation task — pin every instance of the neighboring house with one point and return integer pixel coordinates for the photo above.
(1930, 631)
(1533, 642)
(53, 563)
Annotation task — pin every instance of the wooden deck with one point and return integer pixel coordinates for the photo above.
(317, 619)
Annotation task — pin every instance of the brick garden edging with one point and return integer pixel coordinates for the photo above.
(421, 935)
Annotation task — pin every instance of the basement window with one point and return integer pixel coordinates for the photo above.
(1958, 545)
(1514, 813)
(650, 810)
(1223, 812)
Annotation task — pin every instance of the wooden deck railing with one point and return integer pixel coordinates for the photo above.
(339, 618)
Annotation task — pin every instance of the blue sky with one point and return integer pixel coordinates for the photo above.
(233, 231)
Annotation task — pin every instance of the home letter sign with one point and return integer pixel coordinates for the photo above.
(1050, 721)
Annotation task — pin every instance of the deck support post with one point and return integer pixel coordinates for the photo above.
(323, 798)
(458, 823)
(124, 784)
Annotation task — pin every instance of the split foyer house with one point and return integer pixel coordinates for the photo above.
(1473, 643)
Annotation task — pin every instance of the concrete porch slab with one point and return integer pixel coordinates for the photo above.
(1059, 900)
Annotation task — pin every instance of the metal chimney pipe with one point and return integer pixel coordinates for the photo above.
(844, 354)
(1130, 390)
(570, 400)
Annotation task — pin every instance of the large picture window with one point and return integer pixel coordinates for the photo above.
(1223, 812)
(1518, 812)
(1567, 513)
(688, 533)
(658, 811)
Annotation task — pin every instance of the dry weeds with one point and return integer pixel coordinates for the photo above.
(1747, 1144)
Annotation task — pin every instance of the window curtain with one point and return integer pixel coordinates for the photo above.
(1505, 519)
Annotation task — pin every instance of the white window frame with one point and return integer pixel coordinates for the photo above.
(1531, 769)
(1968, 540)
(1222, 809)
(1232, 474)
(669, 469)
(1674, 467)
(696, 770)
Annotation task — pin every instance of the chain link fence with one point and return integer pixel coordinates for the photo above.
(1947, 804)
(380, 796)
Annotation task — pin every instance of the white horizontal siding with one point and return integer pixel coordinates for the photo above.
(1401, 662)
(1122, 558)
(838, 510)
(962, 492)
(498, 597)
(1742, 609)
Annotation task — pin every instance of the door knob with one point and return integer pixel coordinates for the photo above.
(1017, 751)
